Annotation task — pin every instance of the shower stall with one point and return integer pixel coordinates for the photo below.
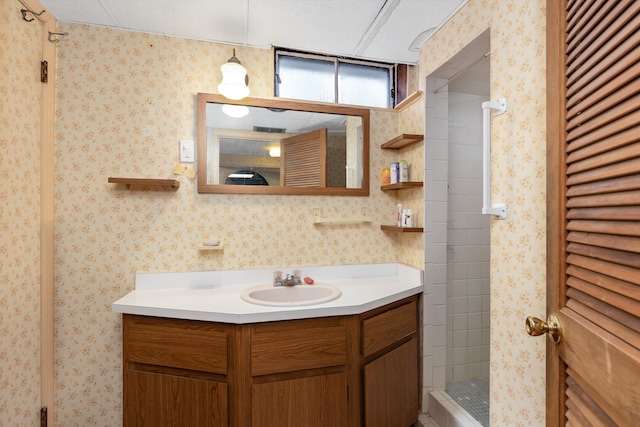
(467, 372)
(457, 242)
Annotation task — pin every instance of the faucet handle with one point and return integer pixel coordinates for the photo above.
(297, 277)
(277, 278)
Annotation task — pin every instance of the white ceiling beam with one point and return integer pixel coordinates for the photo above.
(380, 19)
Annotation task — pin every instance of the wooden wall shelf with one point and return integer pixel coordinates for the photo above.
(146, 182)
(408, 101)
(401, 186)
(401, 141)
(401, 229)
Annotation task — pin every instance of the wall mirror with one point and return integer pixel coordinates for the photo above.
(274, 146)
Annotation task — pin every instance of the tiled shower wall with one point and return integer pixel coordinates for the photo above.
(435, 238)
(467, 244)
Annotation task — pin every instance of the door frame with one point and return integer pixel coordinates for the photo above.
(47, 204)
(556, 205)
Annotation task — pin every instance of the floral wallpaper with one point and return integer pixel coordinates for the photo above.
(20, 53)
(518, 244)
(124, 102)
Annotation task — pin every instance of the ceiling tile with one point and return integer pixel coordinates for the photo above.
(338, 27)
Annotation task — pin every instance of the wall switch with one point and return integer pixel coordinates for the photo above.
(187, 152)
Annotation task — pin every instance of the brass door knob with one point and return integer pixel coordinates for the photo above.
(536, 327)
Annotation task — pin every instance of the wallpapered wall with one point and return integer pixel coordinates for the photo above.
(124, 101)
(518, 249)
(20, 53)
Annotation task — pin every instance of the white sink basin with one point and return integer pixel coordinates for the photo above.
(290, 296)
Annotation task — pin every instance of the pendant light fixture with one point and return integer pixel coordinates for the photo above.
(234, 79)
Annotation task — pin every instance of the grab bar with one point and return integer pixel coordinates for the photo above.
(498, 209)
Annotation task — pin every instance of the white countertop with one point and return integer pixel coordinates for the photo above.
(215, 295)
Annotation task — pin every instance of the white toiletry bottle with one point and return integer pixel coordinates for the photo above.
(395, 171)
(409, 220)
(399, 215)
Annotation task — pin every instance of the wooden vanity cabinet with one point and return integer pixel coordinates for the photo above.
(360, 370)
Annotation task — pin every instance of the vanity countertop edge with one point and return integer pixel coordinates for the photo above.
(215, 295)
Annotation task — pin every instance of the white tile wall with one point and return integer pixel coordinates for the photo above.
(436, 173)
(467, 241)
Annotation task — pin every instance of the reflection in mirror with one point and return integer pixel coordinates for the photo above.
(265, 146)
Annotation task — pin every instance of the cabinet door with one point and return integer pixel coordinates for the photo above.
(317, 401)
(155, 399)
(391, 387)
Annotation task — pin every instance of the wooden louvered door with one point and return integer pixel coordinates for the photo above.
(593, 114)
(304, 160)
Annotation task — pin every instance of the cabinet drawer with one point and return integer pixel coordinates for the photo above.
(389, 327)
(298, 344)
(184, 344)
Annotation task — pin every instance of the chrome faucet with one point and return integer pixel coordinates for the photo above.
(290, 279)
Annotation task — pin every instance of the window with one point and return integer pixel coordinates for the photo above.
(315, 77)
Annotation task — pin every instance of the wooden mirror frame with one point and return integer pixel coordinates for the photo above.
(203, 187)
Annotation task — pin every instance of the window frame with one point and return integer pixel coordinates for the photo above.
(392, 68)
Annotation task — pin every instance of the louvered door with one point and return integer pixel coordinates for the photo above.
(304, 160)
(593, 92)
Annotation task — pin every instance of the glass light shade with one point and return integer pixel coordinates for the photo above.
(233, 85)
(235, 111)
(274, 151)
(241, 175)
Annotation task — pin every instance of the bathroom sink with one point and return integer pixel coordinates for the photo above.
(290, 296)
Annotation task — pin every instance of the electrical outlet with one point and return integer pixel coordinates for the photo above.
(187, 152)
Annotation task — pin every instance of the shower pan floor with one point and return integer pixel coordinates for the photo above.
(473, 396)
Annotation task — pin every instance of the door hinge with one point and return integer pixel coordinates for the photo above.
(43, 416)
(44, 71)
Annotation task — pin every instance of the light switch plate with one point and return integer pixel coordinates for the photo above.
(187, 151)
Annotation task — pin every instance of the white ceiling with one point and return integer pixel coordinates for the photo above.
(372, 29)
